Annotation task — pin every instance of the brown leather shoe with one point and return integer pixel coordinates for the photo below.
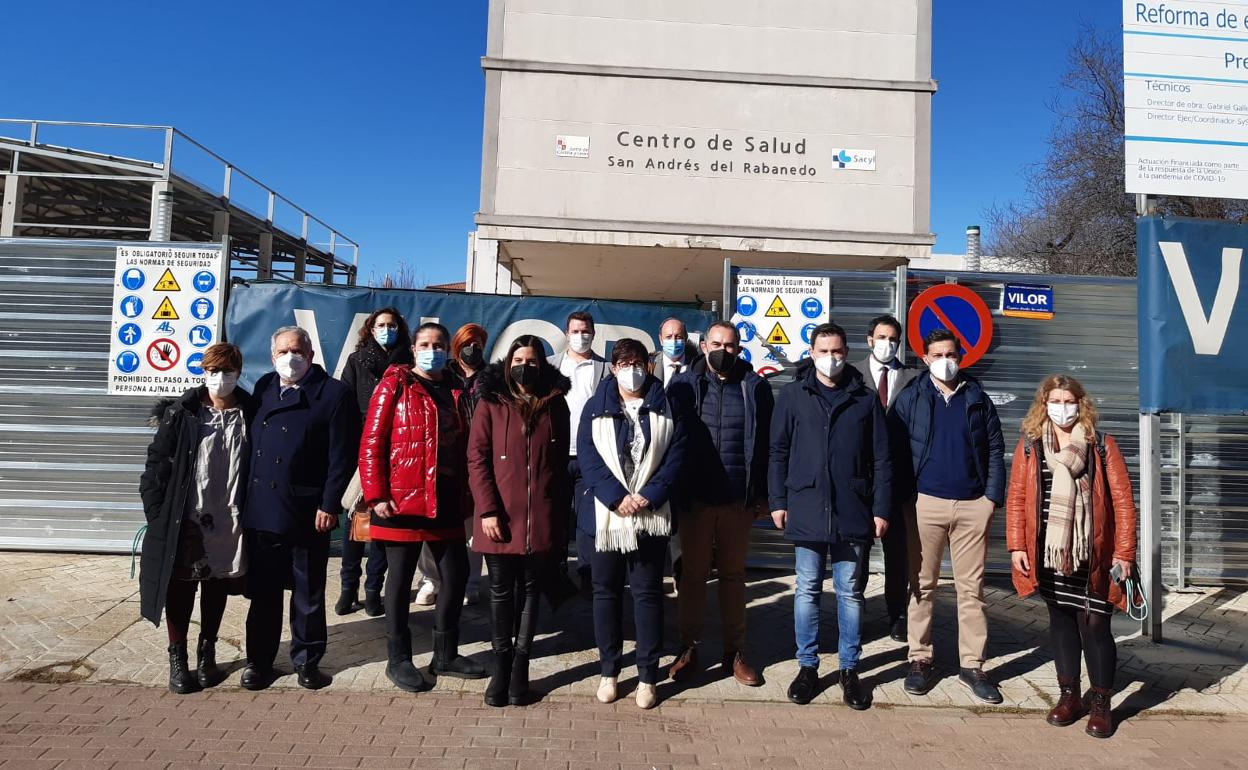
(685, 665)
(1100, 717)
(1069, 708)
(742, 671)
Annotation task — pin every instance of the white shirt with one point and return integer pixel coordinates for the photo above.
(894, 373)
(581, 373)
(670, 368)
(632, 408)
(947, 396)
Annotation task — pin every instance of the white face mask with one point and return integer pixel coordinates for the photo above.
(580, 341)
(221, 384)
(830, 366)
(884, 350)
(943, 369)
(631, 378)
(1063, 415)
(291, 366)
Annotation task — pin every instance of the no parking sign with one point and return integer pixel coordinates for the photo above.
(956, 308)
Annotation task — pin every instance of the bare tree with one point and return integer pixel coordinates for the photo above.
(404, 276)
(1077, 219)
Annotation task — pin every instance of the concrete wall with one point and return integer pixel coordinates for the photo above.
(821, 38)
(819, 75)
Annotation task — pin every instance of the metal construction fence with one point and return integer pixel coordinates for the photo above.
(70, 456)
(1092, 337)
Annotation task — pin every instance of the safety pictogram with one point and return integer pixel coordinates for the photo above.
(163, 354)
(777, 309)
(956, 308)
(165, 311)
(777, 336)
(167, 282)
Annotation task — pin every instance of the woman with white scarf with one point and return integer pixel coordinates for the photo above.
(630, 447)
(1070, 521)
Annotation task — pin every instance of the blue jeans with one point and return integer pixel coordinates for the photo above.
(849, 580)
(353, 555)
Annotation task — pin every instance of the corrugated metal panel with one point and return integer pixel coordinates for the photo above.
(70, 455)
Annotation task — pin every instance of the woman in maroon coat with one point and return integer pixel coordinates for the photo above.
(518, 473)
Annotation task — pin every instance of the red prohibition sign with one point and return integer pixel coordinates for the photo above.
(163, 354)
(974, 342)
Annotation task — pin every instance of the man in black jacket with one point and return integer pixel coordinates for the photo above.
(728, 409)
(304, 442)
(830, 487)
(887, 377)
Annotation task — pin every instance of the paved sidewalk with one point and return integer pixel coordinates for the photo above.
(67, 619)
(136, 728)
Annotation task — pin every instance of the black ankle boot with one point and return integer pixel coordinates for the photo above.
(206, 663)
(399, 667)
(518, 690)
(180, 679)
(496, 690)
(448, 662)
(347, 600)
(372, 604)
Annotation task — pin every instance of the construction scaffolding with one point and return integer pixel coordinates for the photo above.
(147, 183)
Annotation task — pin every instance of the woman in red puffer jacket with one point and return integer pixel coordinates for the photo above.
(413, 471)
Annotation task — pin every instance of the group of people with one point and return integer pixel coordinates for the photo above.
(645, 459)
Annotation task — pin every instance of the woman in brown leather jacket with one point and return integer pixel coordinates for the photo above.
(1070, 519)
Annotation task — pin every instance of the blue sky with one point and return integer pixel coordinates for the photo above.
(368, 114)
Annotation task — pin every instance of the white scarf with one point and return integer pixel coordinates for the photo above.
(614, 532)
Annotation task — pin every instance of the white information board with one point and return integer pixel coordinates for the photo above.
(167, 308)
(1185, 66)
(775, 315)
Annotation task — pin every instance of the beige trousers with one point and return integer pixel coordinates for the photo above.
(963, 526)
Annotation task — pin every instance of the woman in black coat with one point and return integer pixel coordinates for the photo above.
(384, 340)
(192, 490)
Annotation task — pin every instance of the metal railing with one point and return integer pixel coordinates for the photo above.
(228, 171)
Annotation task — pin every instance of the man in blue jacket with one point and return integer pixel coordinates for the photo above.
(729, 409)
(830, 487)
(954, 472)
(304, 442)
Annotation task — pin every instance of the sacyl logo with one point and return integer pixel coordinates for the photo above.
(1208, 332)
(860, 160)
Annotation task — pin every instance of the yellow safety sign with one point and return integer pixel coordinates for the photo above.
(777, 309)
(165, 312)
(167, 282)
(777, 336)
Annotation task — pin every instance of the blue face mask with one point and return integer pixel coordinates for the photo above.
(673, 348)
(385, 337)
(431, 361)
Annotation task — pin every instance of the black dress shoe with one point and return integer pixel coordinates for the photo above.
(921, 679)
(311, 678)
(852, 692)
(975, 680)
(804, 686)
(898, 631)
(256, 677)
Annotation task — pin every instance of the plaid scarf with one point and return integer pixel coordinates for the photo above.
(1068, 541)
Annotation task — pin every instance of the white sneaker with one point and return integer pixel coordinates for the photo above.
(606, 690)
(647, 696)
(427, 596)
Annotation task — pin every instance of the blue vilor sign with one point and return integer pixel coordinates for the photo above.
(1022, 300)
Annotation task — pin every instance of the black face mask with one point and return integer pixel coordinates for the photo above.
(525, 376)
(721, 360)
(471, 355)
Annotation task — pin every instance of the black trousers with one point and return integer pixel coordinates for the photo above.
(896, 568)
(584, 542)
(515, 585)
(642, 570)
(1074, 634)
(451, 556)
(353, 555)
(180, 603)
(275, 562)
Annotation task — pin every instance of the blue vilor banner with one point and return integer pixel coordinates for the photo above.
(1193, 315)
(333, 316)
